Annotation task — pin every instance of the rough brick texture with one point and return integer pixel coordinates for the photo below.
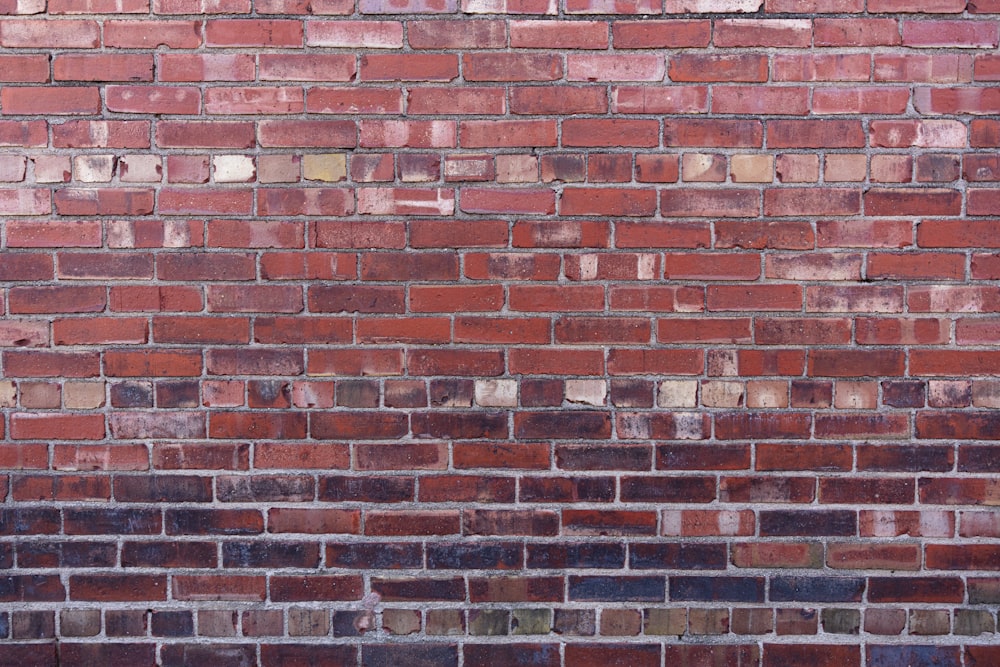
(500, 332)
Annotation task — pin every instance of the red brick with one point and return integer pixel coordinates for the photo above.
(912, 202)
(118, 588)
(452, 34)
(151, 34)
(653, 34)
(540, 34)
(410, 67)
(762, 32)
(918, 67)
(715, 133)
(839, 67)
(50, 33)
(204, 134)
(857, 32)
(23, 133)
(184, 67)
(816, 654)
(50, 101)
(544, 100)
(636, 67)
(698, 202)
(786, 100)
(815, 134)
(254, 32)
(727, 68)
(94, 67)
(666, 100)
(511, 67)
(473, 101)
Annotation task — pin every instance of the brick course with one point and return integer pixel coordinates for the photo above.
(435, 332)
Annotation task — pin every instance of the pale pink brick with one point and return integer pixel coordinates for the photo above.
(93, 168)
(233, 168)
(12, 168)
(408, 134)
(25, 202)
(666, 99)
(355, 34)
(632, 67)
(845, 167)
(614, 6)
(516, 168)
(406, 201)
(587, 392)
(52, 168)
(140, 168)
(712, 6)
(408, 6)
(547, 7)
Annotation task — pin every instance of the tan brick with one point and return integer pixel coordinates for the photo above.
(489, 622)
(845, 168)
(263, 623)
(326, 167)
(856, 395)
(517, 168)
(986, 394)
(93, 168)
(41, 395)
(578, 622)
(83, 395)
(587, 392)
(751, 168)
(217, 622)
(445, 622)
(80, 622)
(531, 621)
(720, 394)
(401, 621)
(930, 622)
(952, 394)
(496, 393)
(621, 622)
(8, 394)
(703, 168)
(308, 622)
(278, 168)
(885, 621)
(795, 168)
(665, 621)
(796, 622)
(892, 169)
(767, 394)
(752, 621)
(974, 622)
(677, 394)
(708, 621)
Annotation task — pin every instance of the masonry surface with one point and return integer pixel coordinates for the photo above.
(500, 332)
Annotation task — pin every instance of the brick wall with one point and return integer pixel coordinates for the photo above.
(507, 332)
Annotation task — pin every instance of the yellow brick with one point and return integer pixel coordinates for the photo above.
(328, 167)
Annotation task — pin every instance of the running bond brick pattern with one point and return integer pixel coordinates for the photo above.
(500, 332)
